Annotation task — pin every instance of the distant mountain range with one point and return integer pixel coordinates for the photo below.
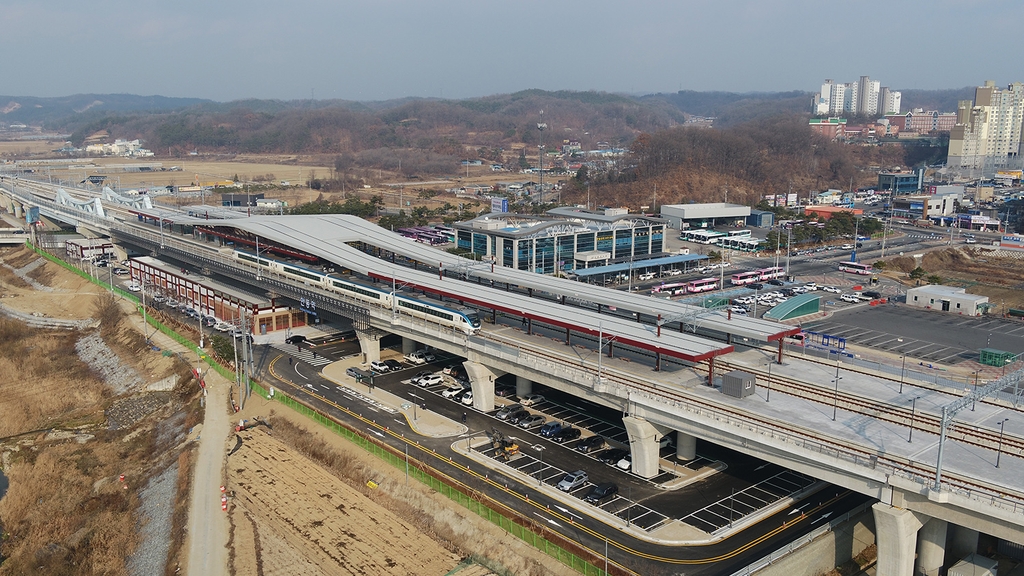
(34, 111)
(69, 112)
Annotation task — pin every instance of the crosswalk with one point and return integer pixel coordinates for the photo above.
(306, 355)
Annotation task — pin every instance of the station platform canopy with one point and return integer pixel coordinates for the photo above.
(638, 265)
(799, 305)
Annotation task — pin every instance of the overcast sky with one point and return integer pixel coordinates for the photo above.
(381, 49)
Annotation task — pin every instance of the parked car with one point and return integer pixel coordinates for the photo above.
(419, 375)
(872, 294)
(625, 463)
(591, 444)
(612, 456)
(531, 399)
(756, 286)
(379, 367)
(295, 339)
(467, 398)
(121, 272)
(420, 357)
(507, 411)
(787, 292)
(453, 391)
(430, 380)
(811, 286)
(353, 371)
(573, 480)
(566, 434)
(504, 391)
(518, 416)
(159, 298)
(532, 421)
(849, 298)
(600, 492)
(550, 429)
(222, 327)
(776, 282)
(134, 286)
(451, 369)
(393, 365)
(832, 289)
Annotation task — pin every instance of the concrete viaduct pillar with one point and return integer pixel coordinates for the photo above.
(524, 386)
(643, 445)
(408, 346)
(369, 345)
(931, 547)
(965, 541)
(686, 446)
(895, 533)
(482, 378)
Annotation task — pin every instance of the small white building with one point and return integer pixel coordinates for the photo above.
(946, 299)
(704, 215)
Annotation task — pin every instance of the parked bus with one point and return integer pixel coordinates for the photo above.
(772, 273)
(702, 285)
(745, 278)
(673, 289)
(739, 233)
(741, 243)
(855, 268)
(702, 236)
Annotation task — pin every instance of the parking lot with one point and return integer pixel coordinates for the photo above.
(923, 335)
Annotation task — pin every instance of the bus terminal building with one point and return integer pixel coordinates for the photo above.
(562, 239)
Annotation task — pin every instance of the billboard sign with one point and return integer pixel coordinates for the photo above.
(32, 215)
(499, 205)
(1012, 242)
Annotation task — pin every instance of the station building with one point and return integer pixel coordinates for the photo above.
(562, 239)
(212, 298)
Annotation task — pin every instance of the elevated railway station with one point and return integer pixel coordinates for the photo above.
(577, 337)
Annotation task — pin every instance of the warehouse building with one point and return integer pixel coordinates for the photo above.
(683, 216)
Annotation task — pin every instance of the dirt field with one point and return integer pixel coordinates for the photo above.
(73, 297)
(290, 500)
(999, 278)
(27, 147)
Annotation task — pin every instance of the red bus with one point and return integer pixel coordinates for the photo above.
(670, 289)
(855, 268)
(771, 273)
(745, 278)
(702, 285)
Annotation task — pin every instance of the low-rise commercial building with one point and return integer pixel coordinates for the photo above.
(946, 299)
(212, 298)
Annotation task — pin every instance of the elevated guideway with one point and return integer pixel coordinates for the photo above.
(860, 441)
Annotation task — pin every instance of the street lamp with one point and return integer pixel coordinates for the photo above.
(913, 413)
(975, 400)
(768, 394)
(903, 370)
(540, 478)
(835, 397)
(999, 447)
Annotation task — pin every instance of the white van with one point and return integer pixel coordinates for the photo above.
(646, 276)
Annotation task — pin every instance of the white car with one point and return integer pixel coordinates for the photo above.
(222, 326)
(431, 380)
(379, 366)
(531, 399)
(134, 287)
(849, 298)
(452, 392)
(739, 310)
(832, 289)
(467, 399)
(811, 286)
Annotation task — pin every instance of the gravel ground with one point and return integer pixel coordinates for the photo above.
(23, 274)
(119, 376)
(155, 524)
(127, 411)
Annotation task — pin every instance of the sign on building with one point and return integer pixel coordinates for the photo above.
(1012, 242)
(499, 205)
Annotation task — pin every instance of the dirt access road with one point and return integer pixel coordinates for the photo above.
(208, 529)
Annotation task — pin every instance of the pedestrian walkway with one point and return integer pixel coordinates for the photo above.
(306, 354)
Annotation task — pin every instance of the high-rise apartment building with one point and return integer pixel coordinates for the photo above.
(865, 96)
(987, 134)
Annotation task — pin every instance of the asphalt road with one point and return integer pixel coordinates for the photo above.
(642, 556)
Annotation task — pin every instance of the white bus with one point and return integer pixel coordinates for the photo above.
(702, 236)
(855, 268)
(673, 289)
(702, 285)
(772, 273)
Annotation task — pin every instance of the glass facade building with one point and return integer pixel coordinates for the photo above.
(564, 239)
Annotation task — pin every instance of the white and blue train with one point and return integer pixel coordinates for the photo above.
(462, 319)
